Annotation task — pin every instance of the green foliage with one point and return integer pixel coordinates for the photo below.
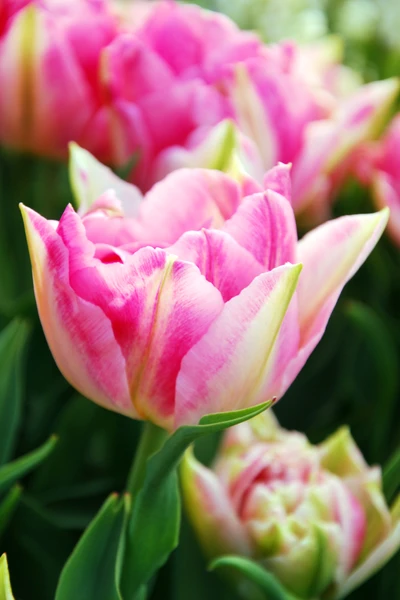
(12, 471)
(265, 581)
(92, 570)
(12, 345)
(151, 537)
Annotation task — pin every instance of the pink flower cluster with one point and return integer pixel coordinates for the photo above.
(153, 80)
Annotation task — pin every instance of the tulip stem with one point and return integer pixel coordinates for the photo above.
(151, 440)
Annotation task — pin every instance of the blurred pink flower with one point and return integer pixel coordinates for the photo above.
(315, 516)
(378, 166)
(153, 82)
(49, 64)
(189, 305)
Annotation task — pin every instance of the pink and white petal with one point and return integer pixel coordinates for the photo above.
(376, 559)
(331, 254)
(90, 179)
(213, 151)
(320, 141)
(37, 65)
(187, 199)
(285, 350)
(211, 511)
(105, 228)
(328, 143)
(350, 514)
(228, 266)
(264, 224)
(385, 194)
(252, 117)
(233, 357)
(158, 306)
(278, 180)
(185, 307)
(80, 336)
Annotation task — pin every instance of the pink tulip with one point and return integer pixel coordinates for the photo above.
(155, 81)
(314, 516)
(378, 166)
(49, 63)
(187, 306)
(294, 104)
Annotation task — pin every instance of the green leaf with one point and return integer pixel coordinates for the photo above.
(8, 506)
(92, 571)
(5, 584)
(12, 345)
(153, 528)
(255, 573)
(391, 476)
(21, 466)
(379, 343)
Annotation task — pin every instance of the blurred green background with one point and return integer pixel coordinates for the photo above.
(353, 376)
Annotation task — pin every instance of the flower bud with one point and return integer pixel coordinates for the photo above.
(314, 516)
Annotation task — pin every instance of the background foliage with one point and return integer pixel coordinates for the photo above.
(47, 500)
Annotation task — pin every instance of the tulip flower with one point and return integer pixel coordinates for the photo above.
(313, 516)
(294, 104)
(154, 84)
(185, 303)
(378, 165)
(49, 61)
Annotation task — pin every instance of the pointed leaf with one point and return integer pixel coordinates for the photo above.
(91, 572)
(8, 506)
(12, 344)
(257, 574)
(391, 476)
(151, 536)
(21, 466)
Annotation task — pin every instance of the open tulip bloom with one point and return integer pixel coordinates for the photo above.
(314, 516)
(196, 299)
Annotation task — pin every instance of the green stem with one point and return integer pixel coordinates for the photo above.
(152, 438)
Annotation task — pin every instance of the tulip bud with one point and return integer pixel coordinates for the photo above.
(314, 516)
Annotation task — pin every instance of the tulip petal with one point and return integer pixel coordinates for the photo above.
(264, 224)
(37, 64)
(278, 179)
(252, 117)
(210, 511)
(90, 179)
(215, 151)
(233, 357)
(185, 200)
(385, 194)
(340, 455)
(328, 142)
(347, 242)
(159, 307)
(375, 560)
(228, 266)
(80, 336)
